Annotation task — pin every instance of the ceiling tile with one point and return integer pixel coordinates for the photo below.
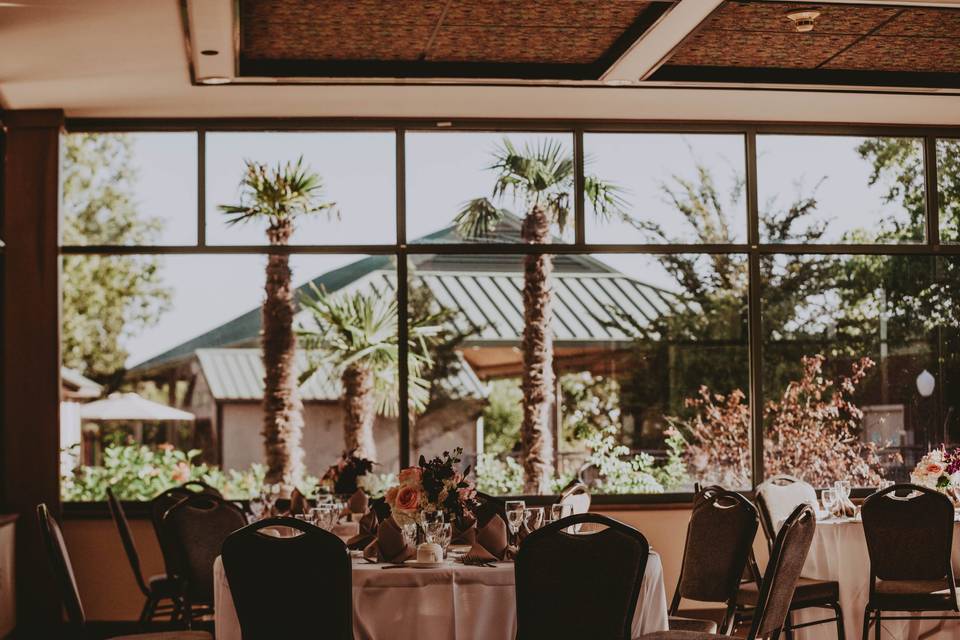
(545, 13)
(521, 44)
(901, 54)
(772, 16)
(759, 49)
(933, 23)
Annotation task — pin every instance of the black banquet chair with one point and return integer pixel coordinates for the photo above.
(70, 595)
(720, 536)
(779, 581)
(308, 572)
(155, 589)
(196, 528)
(909, 532)
(579, 586)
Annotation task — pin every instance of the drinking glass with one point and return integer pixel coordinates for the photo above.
(560, 510)
(829, 498)
(514, 510)
(410, 533)
(270, 493)
(430, 517)
(843, 489)
(443, 534)
(257, 507)
(533, 518)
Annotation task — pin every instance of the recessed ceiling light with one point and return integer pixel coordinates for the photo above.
(803, 20)
(209, 52)
(214, 80)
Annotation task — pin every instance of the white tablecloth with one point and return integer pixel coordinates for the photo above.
(839, 552)
(453, 602)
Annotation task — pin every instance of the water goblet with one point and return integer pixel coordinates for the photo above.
(443, 534)
(533, 518)
(430, 517)
(560, 510)
(514, 510)
(410, 533)
(829, 498)
(843, 488)
(257, 508)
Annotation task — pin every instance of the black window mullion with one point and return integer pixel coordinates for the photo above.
(754, 319)
(201, 188)
(932, 193)
(578, 194)
(403, 313)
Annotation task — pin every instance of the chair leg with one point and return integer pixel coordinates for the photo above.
(866, 624)
(146, 614)
(877, 629)
(788, 626)
(841, 633)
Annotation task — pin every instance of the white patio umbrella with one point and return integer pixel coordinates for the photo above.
(132, 407)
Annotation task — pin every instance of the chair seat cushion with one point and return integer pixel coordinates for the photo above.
(808, 592)
(168, 635)
(683, 635)
(161, 585)
(913, 595)
(677, 623)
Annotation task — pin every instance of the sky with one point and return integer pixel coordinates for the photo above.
(445, 169)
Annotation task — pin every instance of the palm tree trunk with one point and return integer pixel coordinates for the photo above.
(358, 412)
(536, 438)
(282, 408)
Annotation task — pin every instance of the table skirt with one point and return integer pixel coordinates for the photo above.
(453, 602)
(839, 552)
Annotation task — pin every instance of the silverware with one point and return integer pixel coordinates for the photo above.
(394, 566)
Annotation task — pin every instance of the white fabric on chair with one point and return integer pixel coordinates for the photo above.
(782, 499)
(839, 552)
(578, 498)
(455, 601)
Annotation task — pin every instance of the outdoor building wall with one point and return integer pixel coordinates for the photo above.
(323, 436)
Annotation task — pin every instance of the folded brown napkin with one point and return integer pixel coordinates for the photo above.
(358, 502)
(389, 545)
(478, 554)
(464, 531)
(493, 537)
(298, 503)
(369, 524)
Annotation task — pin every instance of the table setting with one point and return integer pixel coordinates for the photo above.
(440, 565)
(839, 552)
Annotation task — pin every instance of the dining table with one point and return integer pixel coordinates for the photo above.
(839, 552)
(455, 601)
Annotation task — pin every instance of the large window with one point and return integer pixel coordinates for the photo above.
(639, 309)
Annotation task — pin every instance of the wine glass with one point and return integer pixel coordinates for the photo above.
(270, 493)
(410, 533)
(829, 498)
(443, 535)
(843, 489)
(533, 518)
(257, 507)
(430, 517)
(559, 511)
(514, 510)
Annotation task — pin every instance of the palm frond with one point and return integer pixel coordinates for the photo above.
(605, 198)
(477, 218)
(284, 191)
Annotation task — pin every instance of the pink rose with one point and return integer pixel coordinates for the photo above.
(181, 473)
(411, 475)
(391, 496)
(934, 469)
(408, 499)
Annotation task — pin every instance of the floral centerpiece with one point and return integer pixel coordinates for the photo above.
(433, 485)
(940, 470)
(344, 477)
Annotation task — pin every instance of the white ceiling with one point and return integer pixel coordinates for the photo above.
(127, 58)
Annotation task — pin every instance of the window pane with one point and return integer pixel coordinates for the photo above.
(129, 189)
(850, 346)
(357, 174)
(446, 171)
(185, 331)
(948, 179)
(680, 188)
(840, 189)
(633, 343)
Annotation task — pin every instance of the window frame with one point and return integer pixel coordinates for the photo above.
(753, 248)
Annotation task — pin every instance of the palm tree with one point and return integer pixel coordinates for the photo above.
(279, 195)
(357, 334)
(542, 177)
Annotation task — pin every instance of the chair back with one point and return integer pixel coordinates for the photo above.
(776, 499)
(909, 532)
(60, 563)
(126, 538)
(283, 586)
(720, 536)
(787, 557)
(199, 486)
(579, 586)
(158, 509)
(197, 526)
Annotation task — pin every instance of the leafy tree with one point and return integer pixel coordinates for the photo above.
(357, 334)
(106, 299)
(542, 178)
(279, 195)
(502, 416)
